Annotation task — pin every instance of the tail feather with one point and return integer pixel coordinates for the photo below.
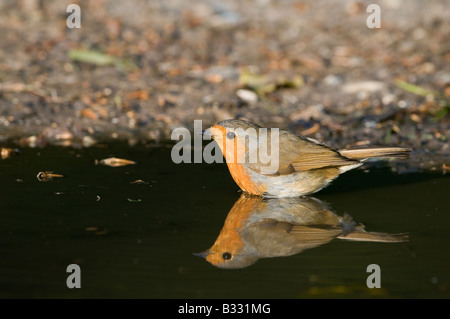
(360, 154)
(375, 237)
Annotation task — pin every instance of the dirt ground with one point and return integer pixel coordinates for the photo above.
(136, 70)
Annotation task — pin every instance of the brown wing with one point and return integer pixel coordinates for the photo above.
(301, 154)
(314, 236)
(276, 238)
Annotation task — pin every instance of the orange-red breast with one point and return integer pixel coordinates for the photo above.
(258, 228)
(304, 166)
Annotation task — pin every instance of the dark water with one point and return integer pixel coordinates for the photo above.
(136, 240)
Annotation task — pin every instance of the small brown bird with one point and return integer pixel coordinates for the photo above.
(302, 165)
(258, 228)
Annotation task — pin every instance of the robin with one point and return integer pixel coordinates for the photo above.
(258, 228)
(303, 165)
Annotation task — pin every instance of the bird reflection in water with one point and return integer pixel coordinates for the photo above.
(258, 228)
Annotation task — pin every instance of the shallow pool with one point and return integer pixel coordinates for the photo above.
(132, 231)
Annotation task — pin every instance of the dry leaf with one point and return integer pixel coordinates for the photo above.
(89, 114)
(138, 181)
(116, 162)
(46, 176)
(6, 152)
(138, 95)
(314, 129)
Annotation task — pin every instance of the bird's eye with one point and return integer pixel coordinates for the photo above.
(226, 256)
(231, 135)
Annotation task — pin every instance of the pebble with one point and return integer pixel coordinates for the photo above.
(247, 96)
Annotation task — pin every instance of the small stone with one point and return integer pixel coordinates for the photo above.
(88, 141)
(247, 96)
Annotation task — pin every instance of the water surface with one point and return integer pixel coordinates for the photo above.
(135, 240)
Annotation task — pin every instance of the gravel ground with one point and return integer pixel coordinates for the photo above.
(136, 70)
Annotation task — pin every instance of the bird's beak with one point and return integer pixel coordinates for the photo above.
(203, 254)
(207, 133)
